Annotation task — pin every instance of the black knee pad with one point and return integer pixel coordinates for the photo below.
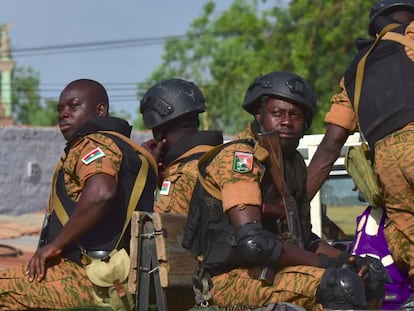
(341, 288)
(378, 276)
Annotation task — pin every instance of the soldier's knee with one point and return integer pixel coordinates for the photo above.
(341, 288)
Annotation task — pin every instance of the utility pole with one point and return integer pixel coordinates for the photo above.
(6, 68)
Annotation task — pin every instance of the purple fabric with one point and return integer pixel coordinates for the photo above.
(371, 241)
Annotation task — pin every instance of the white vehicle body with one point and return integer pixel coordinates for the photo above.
(337, 198)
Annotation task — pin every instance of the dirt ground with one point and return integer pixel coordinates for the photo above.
(19, 236)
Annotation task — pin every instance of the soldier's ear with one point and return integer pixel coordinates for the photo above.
(101, 110)
(257, 116)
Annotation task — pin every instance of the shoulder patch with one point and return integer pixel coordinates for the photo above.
(165, 188)
(242, 162)
(93, 155)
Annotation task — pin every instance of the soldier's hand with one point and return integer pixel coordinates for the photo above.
(345, 259)
(36, 267)
(361, 268)
(154, 147)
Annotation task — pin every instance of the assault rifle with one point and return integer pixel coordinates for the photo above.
(271, 142)
(293, 233)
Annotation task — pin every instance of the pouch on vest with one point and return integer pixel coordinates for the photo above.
(106, 272)
(360, 168)
(109, 277)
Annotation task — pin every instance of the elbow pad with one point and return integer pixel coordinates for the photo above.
(257, 246)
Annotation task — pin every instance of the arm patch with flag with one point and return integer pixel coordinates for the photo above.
(242, 162)
(93, 155)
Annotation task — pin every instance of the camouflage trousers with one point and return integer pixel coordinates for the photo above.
(296, 285)
(65, 285)
(401, 248)
(394, 164)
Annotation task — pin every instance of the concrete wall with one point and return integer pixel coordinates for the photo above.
(28, 156)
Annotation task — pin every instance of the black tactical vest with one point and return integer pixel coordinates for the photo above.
(387, 94)
(105, 234)
(209, 232)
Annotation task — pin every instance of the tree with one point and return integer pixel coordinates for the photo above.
(224, 53)
(220, 55)
(27, 106)
(319, 36)
(26, 100)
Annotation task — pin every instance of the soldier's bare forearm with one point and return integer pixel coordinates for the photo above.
(325, 156)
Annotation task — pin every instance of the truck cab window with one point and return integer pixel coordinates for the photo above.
(341, 204)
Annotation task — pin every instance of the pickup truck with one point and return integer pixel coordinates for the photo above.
(335, 207)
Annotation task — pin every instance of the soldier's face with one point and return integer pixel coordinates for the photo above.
(284, 117)
(74, 109)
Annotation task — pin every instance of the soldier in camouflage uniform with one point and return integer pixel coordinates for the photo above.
(92, 181)
(386, 117)
(171, 109)
(233, 240)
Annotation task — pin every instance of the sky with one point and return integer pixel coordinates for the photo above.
(56, 23)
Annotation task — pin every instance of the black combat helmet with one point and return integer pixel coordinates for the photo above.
(170, 99)
(381, 6)
(283, 85)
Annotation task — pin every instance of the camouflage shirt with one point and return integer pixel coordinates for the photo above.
(90, 155)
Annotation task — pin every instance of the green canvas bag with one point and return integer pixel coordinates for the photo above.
(359, 167)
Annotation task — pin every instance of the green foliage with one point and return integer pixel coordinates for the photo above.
(223, 53)
(323, 44)
(45, 115)
(27, 106)
(26, 101)
(220, 55)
